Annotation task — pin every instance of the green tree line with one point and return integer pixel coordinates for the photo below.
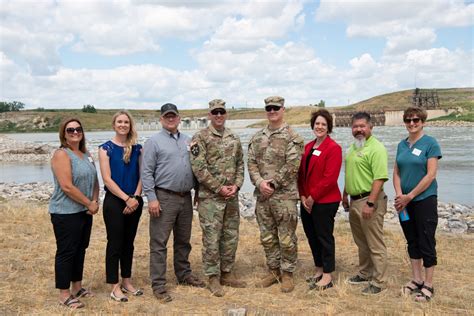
(11, 106)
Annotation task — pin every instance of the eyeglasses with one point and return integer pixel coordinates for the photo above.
(71, 130)
(275, 108)
(218, 111)
(414, 120)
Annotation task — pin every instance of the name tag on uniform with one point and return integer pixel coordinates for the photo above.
(90, 159)
(316, 152)
(416, 152)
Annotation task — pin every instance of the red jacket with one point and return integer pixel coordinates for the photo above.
(320, 180)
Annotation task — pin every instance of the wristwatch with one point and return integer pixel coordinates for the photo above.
(370, 204)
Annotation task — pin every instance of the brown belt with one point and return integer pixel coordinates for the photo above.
(181, 194)
(359, 196)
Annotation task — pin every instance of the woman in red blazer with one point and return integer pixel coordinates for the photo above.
(320, 196)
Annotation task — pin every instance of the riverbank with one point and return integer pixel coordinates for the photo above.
(27, 275)
(453, 218)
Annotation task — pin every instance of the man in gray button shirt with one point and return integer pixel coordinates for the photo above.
(167, 180)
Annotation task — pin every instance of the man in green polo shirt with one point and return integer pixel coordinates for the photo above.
(365, 173)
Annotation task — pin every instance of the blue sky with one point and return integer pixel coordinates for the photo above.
(141, 53)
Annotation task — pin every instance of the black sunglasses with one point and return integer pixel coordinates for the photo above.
(71, 130)
(218, 111)
(414, 120)
(275, 108)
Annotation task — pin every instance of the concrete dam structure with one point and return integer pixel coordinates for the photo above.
(384, 118)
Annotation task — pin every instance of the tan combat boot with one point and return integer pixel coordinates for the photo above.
(287, 284)
(272, 277)
(229, 279)
(215, 287)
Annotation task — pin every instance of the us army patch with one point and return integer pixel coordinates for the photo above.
(195, 149)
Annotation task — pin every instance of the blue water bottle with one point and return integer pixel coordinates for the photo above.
(404, 215)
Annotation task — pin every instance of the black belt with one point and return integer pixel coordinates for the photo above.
(181, 194)
(359, 196)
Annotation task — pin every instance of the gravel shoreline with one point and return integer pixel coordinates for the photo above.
(453, 218)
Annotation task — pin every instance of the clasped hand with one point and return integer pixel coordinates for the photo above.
(93, 207)
(401, 201)
(132, 204)
(228, 191)
(265, 188)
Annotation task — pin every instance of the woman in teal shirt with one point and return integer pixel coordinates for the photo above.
(414, 180)
(72, 204)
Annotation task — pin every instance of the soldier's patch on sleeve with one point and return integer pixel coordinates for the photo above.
(195, 149)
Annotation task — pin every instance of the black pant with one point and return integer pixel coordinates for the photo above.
(72, 232)
(420, 230)
(121, 231)
(318, 227)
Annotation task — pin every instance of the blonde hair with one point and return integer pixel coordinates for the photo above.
(131, 136)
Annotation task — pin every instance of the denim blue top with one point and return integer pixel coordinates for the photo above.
(125, 175)
(84, 177)
(412, 164)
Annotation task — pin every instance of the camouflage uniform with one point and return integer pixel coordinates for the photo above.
(217, 160)
(275, 154)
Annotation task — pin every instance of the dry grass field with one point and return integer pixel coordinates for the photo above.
(27, 275)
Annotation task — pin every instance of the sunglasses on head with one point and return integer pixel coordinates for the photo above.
(275, 108)
(414, 120)
(71, 130)
(218, 111)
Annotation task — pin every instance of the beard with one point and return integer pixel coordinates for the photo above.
(359, 143)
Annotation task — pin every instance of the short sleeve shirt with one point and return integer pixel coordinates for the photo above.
(364, 165)
(125, 175)
(413, 164)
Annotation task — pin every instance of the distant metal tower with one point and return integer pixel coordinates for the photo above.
(426, 99)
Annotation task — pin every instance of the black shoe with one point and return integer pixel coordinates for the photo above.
(313, 279)
(314, 286)
(372, 290)
(357, 280)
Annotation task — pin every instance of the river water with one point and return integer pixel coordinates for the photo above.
(455, 173)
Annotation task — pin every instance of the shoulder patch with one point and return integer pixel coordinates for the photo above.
(195, 149)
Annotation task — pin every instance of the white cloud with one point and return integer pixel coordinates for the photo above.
(243, 52)
(405, 24)
(261, 23)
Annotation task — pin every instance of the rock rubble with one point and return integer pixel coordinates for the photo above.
(452, 217)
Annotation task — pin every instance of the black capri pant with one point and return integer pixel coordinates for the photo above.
(121, 232)
(420, 230)
(319, 227)
(72, 232)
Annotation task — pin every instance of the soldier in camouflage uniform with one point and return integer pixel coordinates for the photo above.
(273, 161)
(217, 162)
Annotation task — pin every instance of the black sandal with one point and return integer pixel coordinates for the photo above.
(72, 302)
(412, 287)
(422, 297)
(83, 293)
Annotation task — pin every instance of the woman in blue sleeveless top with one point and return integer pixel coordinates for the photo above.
(119, 160)
(72, 204)
(414, 180)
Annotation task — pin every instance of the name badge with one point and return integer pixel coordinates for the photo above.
(316, 152)
(90, 159)
(416, 152)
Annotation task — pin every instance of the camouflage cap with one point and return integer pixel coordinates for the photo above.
(275, 100)
(216, 104)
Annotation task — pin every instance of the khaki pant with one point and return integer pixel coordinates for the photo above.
(368, 236)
